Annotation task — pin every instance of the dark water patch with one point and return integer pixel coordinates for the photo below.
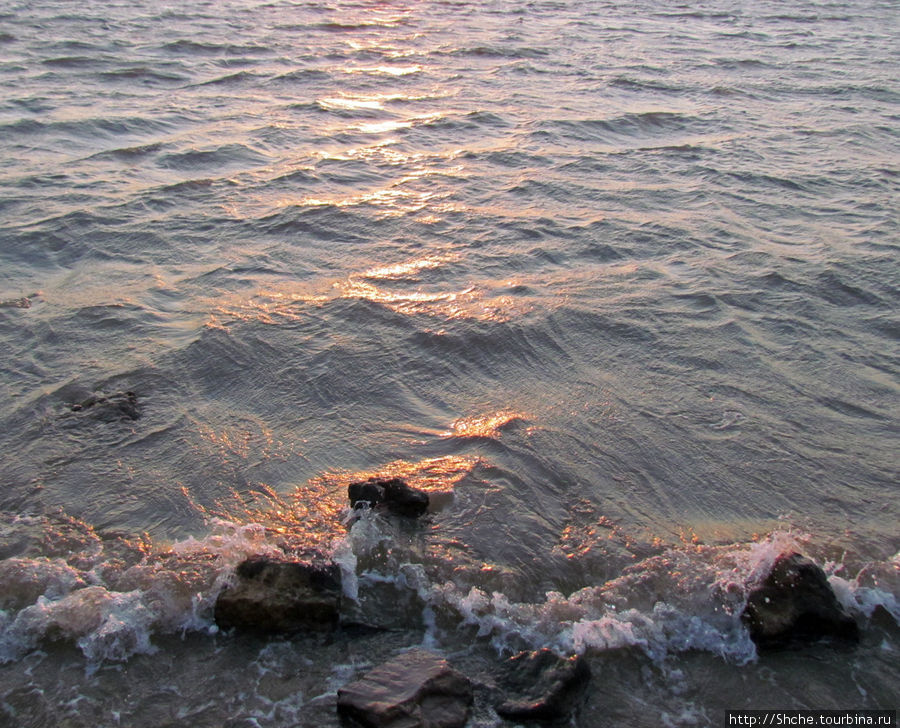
(234, 79)
(45, 247)
(44, 180)
(130, 153)
(223, 157)
(613, 328)
(560, 191)
(685, 151)
(850, 409)
(704, 302)
(143, 74)
(743, 64)
(648, 85)
(511, 158)
(74, 62)
(87, 128)
(33, 104)
(322, 222)
(886, 327)
(345, 172)
(528, 69)
(499, 52)
(190, 185)
(301, 176)
(796, 18)
(696, 15)
(196, 48)
(770, 181)
(493, 350)
(775, 280)
(636, 125)
(836, 290)
(334, 26)
(7, 37)
(74, 45)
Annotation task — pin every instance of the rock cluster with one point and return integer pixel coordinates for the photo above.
(392, 494)
(418, 689)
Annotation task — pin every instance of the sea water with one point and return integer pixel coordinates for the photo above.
(616, 283)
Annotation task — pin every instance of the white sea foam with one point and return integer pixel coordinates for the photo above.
(687, 598)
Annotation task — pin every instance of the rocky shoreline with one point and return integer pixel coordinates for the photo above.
(792, 606)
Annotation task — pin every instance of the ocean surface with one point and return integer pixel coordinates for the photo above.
(616, 282)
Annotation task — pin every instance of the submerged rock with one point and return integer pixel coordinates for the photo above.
(417, 689)
(110, 407)
(16, 303)
(795, 603)
(281, 596)
(391, 493)
(541, 685)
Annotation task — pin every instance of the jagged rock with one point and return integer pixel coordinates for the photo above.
(110, 407)
(795, 603)
(391, 493)
(281, 596)
(541, 685)
(417, 689)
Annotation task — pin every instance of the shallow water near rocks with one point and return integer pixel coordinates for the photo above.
(615, 284)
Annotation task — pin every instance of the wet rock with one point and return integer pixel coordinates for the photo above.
(16, 303)
(417, 689)
(391, 493)
(541, 685)
(273, 597)
(795, 603)
(110, 407)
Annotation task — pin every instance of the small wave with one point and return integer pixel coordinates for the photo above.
(143, 74)
(196, 48)
(141, 150)
(834, 289)
(232, 79)
(301, 74)
(626, 126)
(223, 156)
(335, 26)
(89, 127)
(471, 120)
(499, 52)
(643, 84)
(74, 62)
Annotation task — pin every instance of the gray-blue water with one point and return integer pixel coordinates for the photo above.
(617, 282)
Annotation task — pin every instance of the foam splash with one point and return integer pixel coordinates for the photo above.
(110, 610)
(690, 597)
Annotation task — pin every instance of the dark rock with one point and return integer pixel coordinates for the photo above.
(110, 407)
(403, 499)
(16, 303)
(370, 491)
(541, 685)
(795, 603)
(281, 596)
(417, 689)
(391, 493)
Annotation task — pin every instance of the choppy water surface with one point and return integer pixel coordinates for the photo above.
(616, 281)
